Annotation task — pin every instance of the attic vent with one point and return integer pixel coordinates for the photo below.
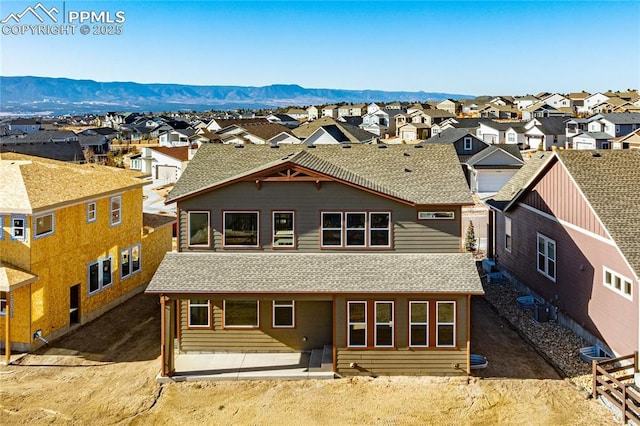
(418, 146)
(275, 146)
(595, 154)
(406, 154)
(311, 146)
(407, 170)
(239, 145)
(382, 146)
(346, 146)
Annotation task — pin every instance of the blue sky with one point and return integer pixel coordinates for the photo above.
(465, 47)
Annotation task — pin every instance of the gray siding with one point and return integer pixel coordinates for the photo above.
(408, 234)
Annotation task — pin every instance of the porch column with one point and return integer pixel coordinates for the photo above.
(167, 335)
(7, 330)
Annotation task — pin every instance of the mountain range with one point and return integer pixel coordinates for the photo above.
(54, 96)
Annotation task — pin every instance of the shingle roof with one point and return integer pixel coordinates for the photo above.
(316, 273)
(12, 277)
(428, 175)
(61, 151)
(595, 135)
(29, 184)
(610, 182)
(622, 117)
(265, 131)
(354, 133)
(450, 135)
(552, 125)
(493, 148)
(520, 180)
(179, 152)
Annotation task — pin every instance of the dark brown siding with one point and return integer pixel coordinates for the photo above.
(579, 291)
(555, 194)
(408, 234)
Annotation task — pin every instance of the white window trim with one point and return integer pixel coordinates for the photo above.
(224, 314)
(441, 215)
(23, 227)
(546, 256)
(468, 143)
(611, 285)
(390, 323)
(283, 304)
(426, 323)
(129, 251)
(322, 229)
(438, 323)
(35, 225)
(208, 213)
(101, 285)
(198, 305)
(95, 211)
(224, 228)
(112, 210)
(364, 230)
(508, 232)
(388, 229)
(349, 324)
(273, 230)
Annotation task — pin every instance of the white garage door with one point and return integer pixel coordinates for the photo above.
(166, 174)
(493, 180)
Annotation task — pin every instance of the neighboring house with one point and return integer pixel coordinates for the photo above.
(97, 145)
(108, 132)
(523, 102)
(411, 132)
(495, 132)
(557, 101)
(25, 125)
(590, 102)
(630, 141)
(259, 133)
(503, 112)
(545, 133)
(591, 140)
(284, 119)
(164, 164)
(487, 167)
(298, 113)
(53, 144)
(176, 137)
(565, 229)
(542, 109)
(330, 111)
(448, 105)
(573, 127)
(312, 113)
(334, 132)
(354, 253)
(221, 123)
(74, 243)
(614, 124)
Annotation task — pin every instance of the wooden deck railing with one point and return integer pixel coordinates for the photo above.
(613, 380)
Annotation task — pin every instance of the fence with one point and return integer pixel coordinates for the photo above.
(613, 380)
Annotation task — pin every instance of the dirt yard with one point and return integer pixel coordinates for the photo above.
(104, 373)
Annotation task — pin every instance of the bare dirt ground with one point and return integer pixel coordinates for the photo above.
(104, 373)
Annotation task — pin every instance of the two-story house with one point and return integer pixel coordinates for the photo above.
(565, 230)
(74, 243)
(353, 251)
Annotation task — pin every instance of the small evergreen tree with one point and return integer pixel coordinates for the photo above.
(470, 240)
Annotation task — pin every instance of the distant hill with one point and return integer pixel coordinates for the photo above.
(30, 95)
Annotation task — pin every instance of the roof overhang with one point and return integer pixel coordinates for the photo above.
(12, 278)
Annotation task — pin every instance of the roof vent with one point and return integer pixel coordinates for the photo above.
(406, 154)
(275, 146)
(596, 154)
(382, 146)
(239, 145)
(311, 146)
(407, 170)
(346, 146)
(418, 146)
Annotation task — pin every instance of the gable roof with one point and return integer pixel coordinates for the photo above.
(552, 125)
(621, 117)
(496, 149)
(451, 135)
(70, 151)
(315, 273)
(354, 133)
(428, 175)
(29, 184)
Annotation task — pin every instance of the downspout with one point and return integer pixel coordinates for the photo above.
(7, 328)
(468, 334)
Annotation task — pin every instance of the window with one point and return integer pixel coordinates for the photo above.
(199, 313)
(240, 229)
(618, 283)
(241, 313)
(130, 261)
(436, 215)
(44, 225)
(380, 229)
(511, 137)
(100, 274)
(198, 226)
(357, 324)
(283, 314)
(116, 210)
(446, 324)
(418, 324)
(1, 227)
(356, 229)
(507, 234)
(384, 324)
(18, 228)
(3, 302)
(468, 144)
(547, 257)
(283, 229)
(331, 229)
(92, 211)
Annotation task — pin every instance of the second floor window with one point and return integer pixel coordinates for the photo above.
(507, 233)
(468, 144)
(44, 225)
(241, 229)
(356, 229)
(547, 257)
(116, 210)
(18, 228)
(283, 229)
(198, 229)
(91, 211)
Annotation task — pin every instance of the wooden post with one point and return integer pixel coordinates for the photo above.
(163, 352)
(635, 361)
(7, 329)
(594, 369)
(624, 404)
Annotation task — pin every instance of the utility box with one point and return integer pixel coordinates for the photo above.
(541, 313)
